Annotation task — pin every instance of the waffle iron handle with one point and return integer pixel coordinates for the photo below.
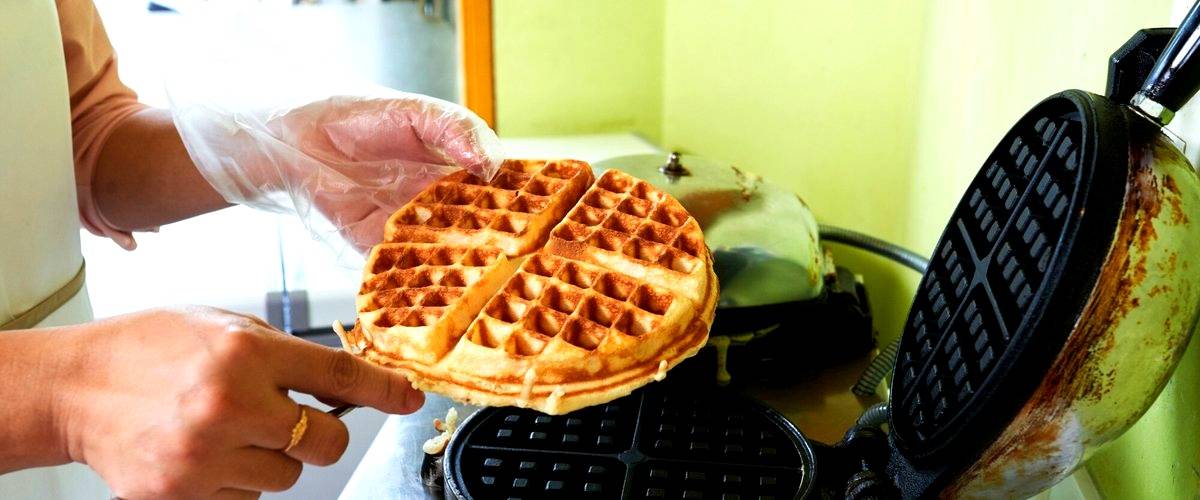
(341, 410)
(1129, 65)
(1175, 77)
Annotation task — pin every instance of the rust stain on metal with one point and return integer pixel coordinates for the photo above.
(1113, 297)
(1169, 183)
(1022, 460)
(1074, 376)
(747, 181)
(1178, 215)
(1039, 444)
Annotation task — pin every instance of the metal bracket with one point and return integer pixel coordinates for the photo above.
(288, 311)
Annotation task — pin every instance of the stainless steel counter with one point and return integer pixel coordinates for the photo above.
(391, 469)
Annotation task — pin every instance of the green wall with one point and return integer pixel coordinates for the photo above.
(578, 67)
(796, 92)
(986, 63)
(877, 113)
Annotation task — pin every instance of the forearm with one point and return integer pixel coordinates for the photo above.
(30, 425)
(144, 177)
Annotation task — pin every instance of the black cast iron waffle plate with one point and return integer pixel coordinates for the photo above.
(659, 442)
(1009, 277)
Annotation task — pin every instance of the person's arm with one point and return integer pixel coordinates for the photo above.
(32, 437)
(131, 169)
(144, 178)
(355, 159)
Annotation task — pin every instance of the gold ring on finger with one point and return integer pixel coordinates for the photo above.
(298, 430)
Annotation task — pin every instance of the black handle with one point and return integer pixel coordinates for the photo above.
(1131, 64)
(1176, 75)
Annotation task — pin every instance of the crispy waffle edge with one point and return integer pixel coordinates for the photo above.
(557, 398)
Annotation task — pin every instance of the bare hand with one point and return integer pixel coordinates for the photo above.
(192, 403)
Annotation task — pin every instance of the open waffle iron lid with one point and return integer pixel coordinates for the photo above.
(1008, 278)
(763, 238)
(1030, 339)
(1005, 342)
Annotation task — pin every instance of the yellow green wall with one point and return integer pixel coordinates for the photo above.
(986, 63)
(796, 92)
(578, 67)
(877, 113)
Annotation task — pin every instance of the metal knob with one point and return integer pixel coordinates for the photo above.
(673, 169)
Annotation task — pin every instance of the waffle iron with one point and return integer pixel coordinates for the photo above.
(778, 283)
(664, 441)
(1057, 302)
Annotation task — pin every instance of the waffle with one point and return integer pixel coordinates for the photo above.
(414, 301)
(627, 225)
(576, 302)
(513, 213)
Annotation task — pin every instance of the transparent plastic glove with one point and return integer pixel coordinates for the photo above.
(343, 164)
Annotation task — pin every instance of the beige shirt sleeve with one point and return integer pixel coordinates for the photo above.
(99, 102)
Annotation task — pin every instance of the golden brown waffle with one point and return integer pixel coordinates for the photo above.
(627, 225)
(414, 301)
(514, 212)
(617, 293)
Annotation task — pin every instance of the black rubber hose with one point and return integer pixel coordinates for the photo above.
(876, 370)
(897, 253)
(882, 364)
(875, 416)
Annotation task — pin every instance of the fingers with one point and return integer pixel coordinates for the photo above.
(462, 138)
(449, 130)
(331, 402)
(369, 131)
(361, 214)
(323, 442)
(334, 374)
(259, 469)
(271, 427)
(232, 494)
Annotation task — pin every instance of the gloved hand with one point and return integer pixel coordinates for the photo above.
(355, 160)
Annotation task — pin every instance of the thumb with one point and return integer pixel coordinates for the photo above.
(459, 135)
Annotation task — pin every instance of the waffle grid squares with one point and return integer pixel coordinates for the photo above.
(414, 285)
(507, 204)
(548, 297)
(620, 214)
(706, 446)
(1008, 224)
